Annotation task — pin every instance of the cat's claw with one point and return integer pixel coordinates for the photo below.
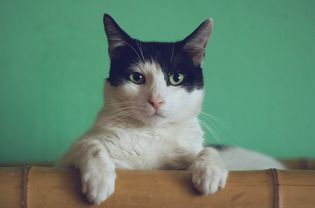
(98, 185)
(208, 179)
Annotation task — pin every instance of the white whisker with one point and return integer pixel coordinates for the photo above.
(134, 50)
(216, 119)
(177, 59)
(140, 49)
(213, 133)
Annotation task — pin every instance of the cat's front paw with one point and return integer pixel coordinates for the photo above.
(98, 185)
(208, 179)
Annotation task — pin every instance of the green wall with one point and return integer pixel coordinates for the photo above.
(259, 70)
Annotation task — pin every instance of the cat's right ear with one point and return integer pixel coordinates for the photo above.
(195, 44)
(115, 35)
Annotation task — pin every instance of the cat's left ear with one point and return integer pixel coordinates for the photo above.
(195, 44)
(115, 35)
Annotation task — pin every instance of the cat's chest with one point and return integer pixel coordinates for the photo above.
(144, 148)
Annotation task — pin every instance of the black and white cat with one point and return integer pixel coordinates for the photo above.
(153, 96)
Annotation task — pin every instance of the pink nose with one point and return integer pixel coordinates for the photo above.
(156, 103)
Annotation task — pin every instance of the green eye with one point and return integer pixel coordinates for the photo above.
(136, 78)
(176, 79)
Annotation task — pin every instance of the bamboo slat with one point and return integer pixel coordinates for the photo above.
(47, 187)
(10, 187)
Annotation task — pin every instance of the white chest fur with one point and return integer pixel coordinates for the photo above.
(174, 146)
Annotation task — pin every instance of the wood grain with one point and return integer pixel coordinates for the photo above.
(49, 187)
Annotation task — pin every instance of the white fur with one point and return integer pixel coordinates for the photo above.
(236, 158)
(128, 133)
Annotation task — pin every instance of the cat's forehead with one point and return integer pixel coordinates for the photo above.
(159, 48)
(159, 52)
(146, 66)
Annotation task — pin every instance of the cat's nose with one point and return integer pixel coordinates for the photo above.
(156, 103)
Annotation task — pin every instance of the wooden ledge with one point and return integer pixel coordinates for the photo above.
(37, 187)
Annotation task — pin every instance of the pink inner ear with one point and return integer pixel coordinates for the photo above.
(197, 56)
(197, 59)
(196, 42)
(116, 36)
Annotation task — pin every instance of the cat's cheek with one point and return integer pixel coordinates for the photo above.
(143, 112)
(126, 93)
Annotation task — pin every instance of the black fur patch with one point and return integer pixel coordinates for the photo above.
(162, 53)
(173, 57)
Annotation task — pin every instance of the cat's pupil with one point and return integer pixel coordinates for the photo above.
(138, 76)
(177, 77)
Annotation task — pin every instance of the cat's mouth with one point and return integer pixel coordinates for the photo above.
(156, 114)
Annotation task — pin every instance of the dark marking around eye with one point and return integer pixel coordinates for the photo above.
(161, 53)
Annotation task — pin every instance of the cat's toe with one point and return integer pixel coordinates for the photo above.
(209, 179)
(98, 186)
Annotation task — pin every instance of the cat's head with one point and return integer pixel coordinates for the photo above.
(155, 82)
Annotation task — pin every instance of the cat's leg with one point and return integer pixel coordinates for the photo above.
(208, 171)
(96, 167)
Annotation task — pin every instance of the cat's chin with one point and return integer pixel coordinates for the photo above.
(155, 120)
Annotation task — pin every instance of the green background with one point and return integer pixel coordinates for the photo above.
(259, 70)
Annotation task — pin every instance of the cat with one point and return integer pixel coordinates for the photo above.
(149, 120)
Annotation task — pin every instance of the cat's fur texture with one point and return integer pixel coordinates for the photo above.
(149, 120)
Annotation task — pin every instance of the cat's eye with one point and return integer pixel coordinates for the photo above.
(136, 78)
(176, 79)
